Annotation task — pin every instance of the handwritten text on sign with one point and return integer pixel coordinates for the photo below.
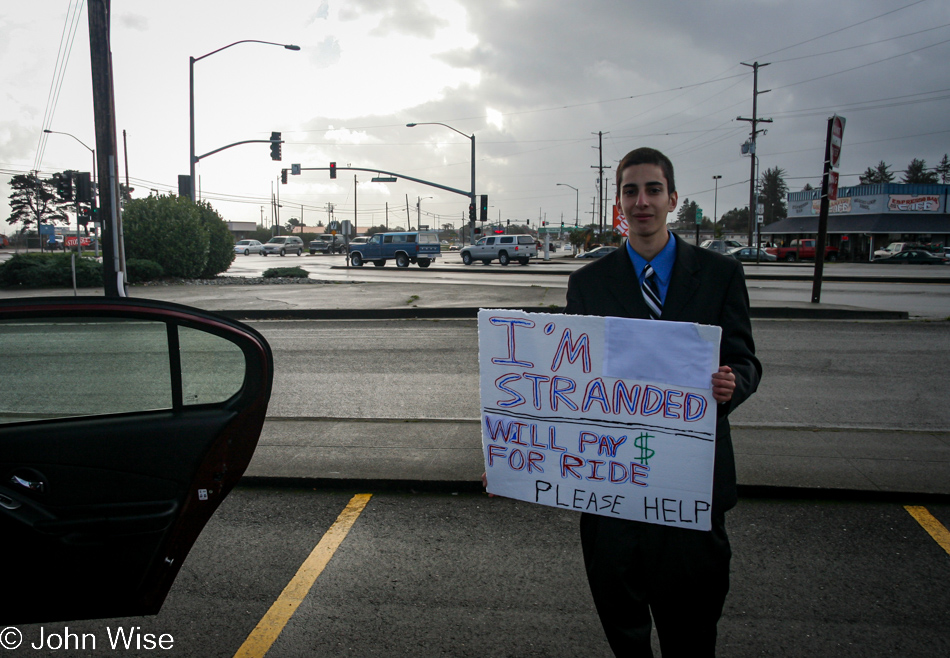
(604, 415)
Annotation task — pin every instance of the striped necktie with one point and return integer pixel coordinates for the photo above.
(651, 292)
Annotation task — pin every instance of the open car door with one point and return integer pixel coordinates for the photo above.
(123, 425)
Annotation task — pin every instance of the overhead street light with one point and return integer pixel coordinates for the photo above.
(471, 137)
(88, 148)
(577, 201)
(93, 151)
(191, 100)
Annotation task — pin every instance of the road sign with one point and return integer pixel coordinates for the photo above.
(295, 169)
(549, 229)
(699, 215)
(832, 186)
(837, 134)
(333, 226)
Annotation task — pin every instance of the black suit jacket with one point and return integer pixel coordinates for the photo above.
(706, 288)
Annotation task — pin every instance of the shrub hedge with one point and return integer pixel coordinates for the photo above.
(40, 270)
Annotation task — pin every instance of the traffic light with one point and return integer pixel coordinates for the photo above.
(484, 212)
(83, 187)
(64, 185)
(332, 170)
(275, 146)
(471, 212)
(85, 215)
(478, 231)
(283, 176)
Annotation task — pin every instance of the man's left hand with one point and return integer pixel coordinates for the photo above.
(723, 384)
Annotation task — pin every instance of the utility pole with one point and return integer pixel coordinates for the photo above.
(103, 103)
(753, 215)
(600, 178)
(355, 231)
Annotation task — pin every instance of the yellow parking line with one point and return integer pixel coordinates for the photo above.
(936, 529)
(259, 642)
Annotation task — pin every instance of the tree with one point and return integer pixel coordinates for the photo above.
(877, 175)
(774, 192)
(916, 172)
(292, 223)
(34, 201)
(735, 220)
(687, 212)
(943, 170)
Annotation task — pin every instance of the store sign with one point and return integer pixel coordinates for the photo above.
(913, 203)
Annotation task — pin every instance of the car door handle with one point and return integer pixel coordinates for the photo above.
(37, 486)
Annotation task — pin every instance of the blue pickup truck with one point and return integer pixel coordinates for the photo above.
(405, 247)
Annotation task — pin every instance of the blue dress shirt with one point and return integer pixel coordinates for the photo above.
(662, 264)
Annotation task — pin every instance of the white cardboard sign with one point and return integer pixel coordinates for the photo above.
(611, 416)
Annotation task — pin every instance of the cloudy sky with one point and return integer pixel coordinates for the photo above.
(533, 80)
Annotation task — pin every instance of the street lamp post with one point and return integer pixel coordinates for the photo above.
(471, 137)
(191, 101)
(715, 204)
(577, 202)
(93, 151)
(419, 211)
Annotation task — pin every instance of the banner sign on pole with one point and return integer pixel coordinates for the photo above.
(837, 134)
(620, 222)
(611, 416)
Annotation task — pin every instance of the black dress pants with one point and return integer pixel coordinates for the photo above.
(680, 575)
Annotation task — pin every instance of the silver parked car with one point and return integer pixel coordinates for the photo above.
(283, 245)
(747, 255)
(248, 247)
(722, 246)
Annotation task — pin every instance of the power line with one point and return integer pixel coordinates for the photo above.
(839, 30)
(59, 74)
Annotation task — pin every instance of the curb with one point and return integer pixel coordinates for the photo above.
(470, 313)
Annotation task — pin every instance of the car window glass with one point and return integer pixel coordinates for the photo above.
(525, 239)
(508, 240)
(411, 238)
(388, 239)
(212, 368)
(376, 239)
(491, 241)
(81, 367)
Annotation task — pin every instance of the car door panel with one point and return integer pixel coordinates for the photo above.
(98, 511)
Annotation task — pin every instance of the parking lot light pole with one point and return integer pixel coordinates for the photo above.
(471, 137)
(715, 204)
(577, 202)
(191, 100)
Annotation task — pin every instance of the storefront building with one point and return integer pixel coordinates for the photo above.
(868, 217)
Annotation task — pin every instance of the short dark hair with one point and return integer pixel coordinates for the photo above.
(646, 155)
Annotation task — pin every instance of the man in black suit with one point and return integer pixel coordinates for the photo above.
(634, 569)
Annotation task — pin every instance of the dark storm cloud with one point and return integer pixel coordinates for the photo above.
(410, 17)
